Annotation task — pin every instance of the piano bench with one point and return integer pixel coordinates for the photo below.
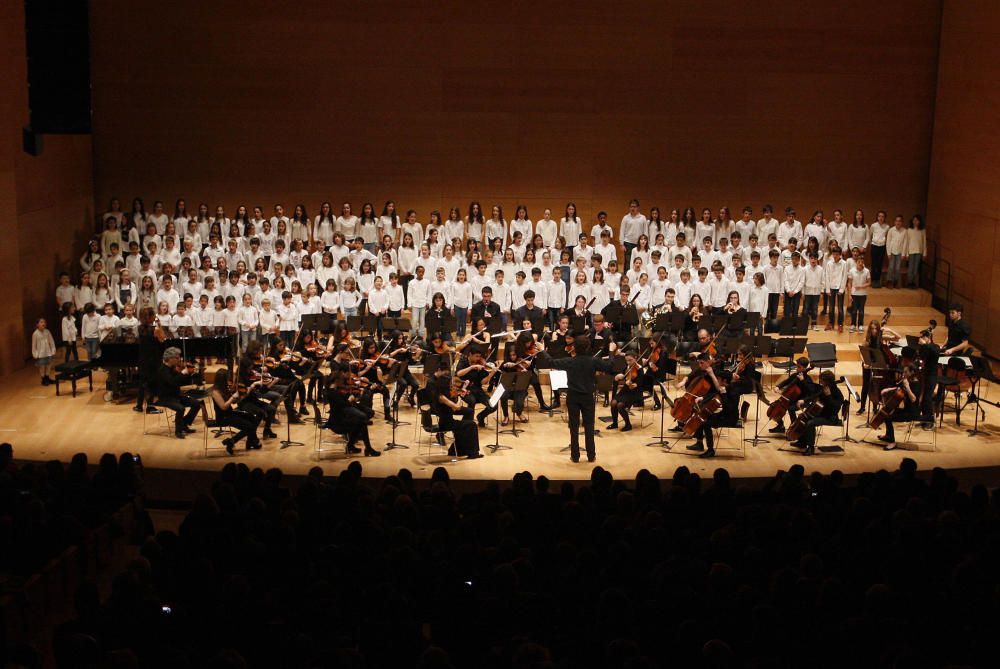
(75, 373)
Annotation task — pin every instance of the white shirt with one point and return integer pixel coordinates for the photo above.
(288, 316)
(745, 228)
(347, 225)
(608, 253)
(549, 230)
(416, 293)
(835, 274)
(895, 241)
(171, 297)
(378, 301)
(632, 227)
(349, 299)
(248, 317)
(69, 330)
(916, 241)
(330, 301)
(858, 236)
(524, 227)
(443, 287)
(502, 296)
(742, 289)
(718, 290)
(268, 320)
(858, 278)
(788, 230)
(773, 278)
(814, 230)
(794, 279)
(389, 224)
(765, 228)
(878, 233)
(555, 295)
(42, 344)
(454, 229)
(396, 300)
(462, 295)
(814, 280)
(837, 231)
(758, 299)
(451, 267)
(569, 231)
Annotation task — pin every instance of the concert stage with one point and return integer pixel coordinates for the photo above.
(42, 426)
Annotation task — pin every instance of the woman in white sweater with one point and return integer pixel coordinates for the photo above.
(916, 247)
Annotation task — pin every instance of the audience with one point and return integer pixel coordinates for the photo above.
(893, 570)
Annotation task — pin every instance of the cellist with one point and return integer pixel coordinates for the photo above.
(799, 377)
(728, 416)
(909, 408)
(832, 400)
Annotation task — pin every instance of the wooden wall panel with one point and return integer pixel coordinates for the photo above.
(720, 102)
(46, 205)
(964, 190)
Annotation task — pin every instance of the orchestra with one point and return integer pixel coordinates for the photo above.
(339, 371)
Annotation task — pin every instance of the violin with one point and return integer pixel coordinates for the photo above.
(791, 392)
(798, 426)
(458, 389)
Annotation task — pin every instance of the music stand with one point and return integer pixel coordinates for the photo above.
(669, 367)
(498, 393)
(448, 326)
(354, 323)
(317, 323)
(797, 326)
(370, 323)
(287, 441)
(845, 419)
(737, 321)
(753, 320)
(494, 324)
(389, 324)
(787, 347)
(578, 325)
(537, 325)
(729, 346)
(876, 361)
(396, 372)
(515, 382)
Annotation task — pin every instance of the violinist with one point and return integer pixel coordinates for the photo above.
(260, 400)
(474, 370)
(877, 338)
(656, 373)
(286, 367)
(705, 344)
(225, 400)
(805, 386)
(832, 401)
(312, 353)
(728, 416)
(171, 376)
(908, 409)
(514, 363)
(402, 352)
(601, 337)
(464, 429)
(346, 416)
(151, 338)
(372, 366)
(630, 385)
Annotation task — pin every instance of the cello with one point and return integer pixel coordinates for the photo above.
(798, 426)
(693, 391)
(790, 393)
(890, 403)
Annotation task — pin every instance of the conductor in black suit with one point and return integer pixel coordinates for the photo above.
(581, 370)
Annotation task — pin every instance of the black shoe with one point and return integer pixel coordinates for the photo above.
(452, 452)
(229, 445)
(860, 412)
(353, 450)
(153, 410)
(439, 437)
(295, 420)
(481, 423)
(269, 434)
(473, 456)
(591, 458)
(777, 429)
(657, 406)
(137, 409)
(883, 437)
(710, 453)
(810, 450)
(574, 460)
(371, 453)
(412, 400)
(303, 411)
(180, 435)
(627, 428)
(254, 445)
(544, 408)
(188, 430)
(696, 446)
(612, 426)
(46, 381)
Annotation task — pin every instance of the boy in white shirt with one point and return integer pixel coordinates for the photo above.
(555, 296)
(268, 318)
(167, 293)
(288, 319)
(718, 287)
(583, 249)
(517, 294)
(597, 232)
(202, 317)
(181, 324)
(835, 281)
(773, 278)
(812, 289)
(249, 319)
(441, 285)
(417, 296)
(606, 249)
(192, 285)
(539, 287)
(789, 228)
(680, 248)
(683, 289)
(793, 280)
(674, 273)
(768, 225)
(502, 295)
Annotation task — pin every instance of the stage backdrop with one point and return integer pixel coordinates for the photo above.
(434, 104)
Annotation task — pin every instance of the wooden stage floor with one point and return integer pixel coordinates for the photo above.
(42, 426)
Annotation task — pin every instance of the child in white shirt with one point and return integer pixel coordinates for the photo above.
(43, 348)
(69, 330)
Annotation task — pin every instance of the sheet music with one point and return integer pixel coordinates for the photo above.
(497, 394)
(558, 379)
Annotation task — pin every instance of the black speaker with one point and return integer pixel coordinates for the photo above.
(31, 141)
(58, 41)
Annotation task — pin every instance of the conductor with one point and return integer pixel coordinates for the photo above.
(580, 370)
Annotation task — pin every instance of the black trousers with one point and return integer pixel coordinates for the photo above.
(185, 410)
(581, 408)
(479, 396)
(836, 298)
(245, 424)
(878, 260)
(792, 304)
(465, 431)
(900, 416)
(809, 436)
(772, 305)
